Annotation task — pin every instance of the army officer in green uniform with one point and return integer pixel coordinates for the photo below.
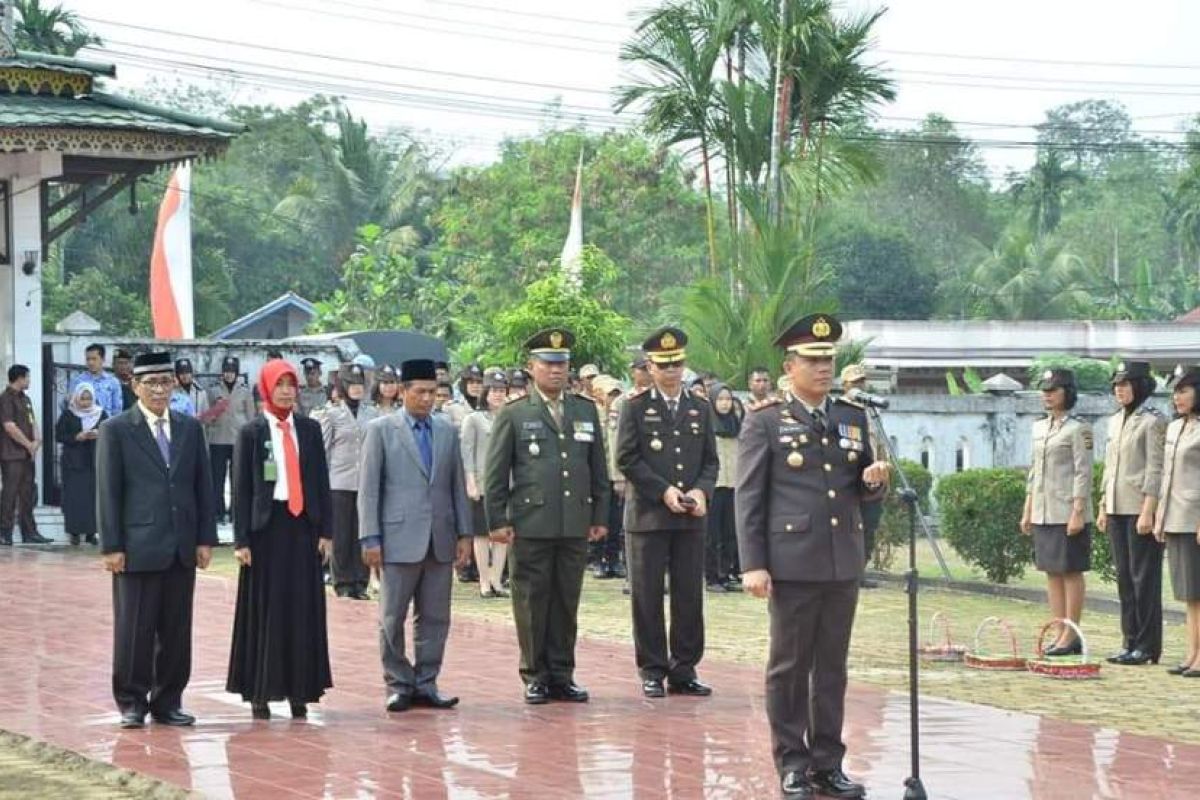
(805, 466)
(547, 494)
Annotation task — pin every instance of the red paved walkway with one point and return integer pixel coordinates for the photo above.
(55, 653)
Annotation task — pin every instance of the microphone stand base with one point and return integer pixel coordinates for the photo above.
(914, 789)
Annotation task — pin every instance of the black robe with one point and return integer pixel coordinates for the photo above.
(78, 465)
(280, 645)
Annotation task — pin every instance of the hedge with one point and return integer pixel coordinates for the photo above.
(1091, 375)
(893, 528)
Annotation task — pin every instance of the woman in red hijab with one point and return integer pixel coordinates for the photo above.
(281, 517)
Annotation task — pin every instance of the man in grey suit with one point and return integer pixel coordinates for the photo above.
(414, 526)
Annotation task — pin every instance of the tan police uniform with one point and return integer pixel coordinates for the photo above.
(1179, 498)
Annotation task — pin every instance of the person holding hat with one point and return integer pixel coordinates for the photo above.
(1133, 464)
(188, 398)
(155, 512)
(282, 514)
(805, 464)
(476, 430)
(1177, 521)
(414, 527)
(105, 386)
(123, 370)
(343, 428)
(1058, 503)
(230, 407)
(547, 495)
(667, 451)
(385, 393)
(313, 395)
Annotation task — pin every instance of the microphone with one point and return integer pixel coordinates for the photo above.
(871, 400)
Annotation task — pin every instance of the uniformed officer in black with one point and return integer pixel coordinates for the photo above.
(667, 450)
(804, 466)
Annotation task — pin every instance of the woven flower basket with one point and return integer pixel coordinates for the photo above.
(979, 658)
(945, 651)
(1067, 668)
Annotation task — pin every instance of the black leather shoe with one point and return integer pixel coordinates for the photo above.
(693, 688)
(1116, 658)
(653, 688)
(399, 702)
(133, 719)
(1190, 673)
(359, 594)
(1136, 658)
(91, 539)
(260, 711)
(34, 538)
(1073, 649)
(299, 710)
(795, 785)
(175, 718)
(537, 693)
(432, 698)
(834, 783)
(569, 692)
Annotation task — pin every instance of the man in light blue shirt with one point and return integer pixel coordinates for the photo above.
(108, 388)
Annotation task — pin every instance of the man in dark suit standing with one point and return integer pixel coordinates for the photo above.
(413, 522)
(156, 517)
(805, 465)
(547, 494)
(667, 450)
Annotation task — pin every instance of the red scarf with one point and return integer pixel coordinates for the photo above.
(269, 378)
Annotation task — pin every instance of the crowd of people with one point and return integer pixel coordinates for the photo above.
(524, 478)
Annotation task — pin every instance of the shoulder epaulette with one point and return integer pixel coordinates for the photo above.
(635, 393)
(515, 398)
(764, 403)
(1152, 411)
(841, 398)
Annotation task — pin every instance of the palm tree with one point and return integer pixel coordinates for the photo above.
(677, 47)
(1047, 183)
(1028, 277)
(50, 30)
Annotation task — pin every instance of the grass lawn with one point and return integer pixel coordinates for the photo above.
(34, 769)
(1136, 699)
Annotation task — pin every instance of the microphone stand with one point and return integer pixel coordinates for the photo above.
(913, 788)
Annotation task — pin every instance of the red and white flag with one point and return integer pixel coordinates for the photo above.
(171, 261)
(572, 252)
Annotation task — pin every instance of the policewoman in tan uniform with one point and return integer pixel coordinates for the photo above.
(1133, 461)
(1178, 519)
(1058, 503)
(805, 465)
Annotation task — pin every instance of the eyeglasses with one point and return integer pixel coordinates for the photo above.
(159, 385)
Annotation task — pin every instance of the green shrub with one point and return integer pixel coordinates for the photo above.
(1102, 561)
(893, 528)
(1091, 375)
(980, 511)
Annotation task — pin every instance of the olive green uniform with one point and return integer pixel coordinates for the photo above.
(550, 483)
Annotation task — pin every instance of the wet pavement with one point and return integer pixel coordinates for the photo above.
(55, 651)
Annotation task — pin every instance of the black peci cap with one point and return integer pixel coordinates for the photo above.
(418, 369)
(150, 363)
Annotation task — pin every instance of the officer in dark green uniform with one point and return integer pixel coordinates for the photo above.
(667, 450)
(547, 493)
(805, 465)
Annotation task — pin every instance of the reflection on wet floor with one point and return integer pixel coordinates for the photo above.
(55, 651)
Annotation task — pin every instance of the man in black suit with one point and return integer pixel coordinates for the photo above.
(156, 517)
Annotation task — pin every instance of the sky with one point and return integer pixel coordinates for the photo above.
(466, 73)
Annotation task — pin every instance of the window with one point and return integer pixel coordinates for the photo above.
(962, 455)
(927, 453)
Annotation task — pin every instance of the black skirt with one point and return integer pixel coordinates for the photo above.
(280, 646)
(1054, 551)
(1184, 554)
(79, 501)
(479, 524)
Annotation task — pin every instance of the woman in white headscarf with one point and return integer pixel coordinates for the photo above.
(77, 430)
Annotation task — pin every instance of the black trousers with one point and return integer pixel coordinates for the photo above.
(16, 497)
(652, 555)
(609, 549)
(219, 458)
(546, 578)
(152, 638)
(349, 572)
(721, 557)
(806, 671)
(1139, 563)
(872, 515)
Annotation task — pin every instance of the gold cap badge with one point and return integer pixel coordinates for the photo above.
(556, 339)
(821, 328)
(668, 341)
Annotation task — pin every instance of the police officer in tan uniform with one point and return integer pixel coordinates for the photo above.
(1133, 461)
(313, 396)
(1178, 519)
(667, 450)
(805, 465)
(1058, 503)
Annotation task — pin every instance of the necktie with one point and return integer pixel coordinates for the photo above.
(164, 444)
(556, 412)
(425, 443)
(818, 415)
(671, 405)
(291, 460)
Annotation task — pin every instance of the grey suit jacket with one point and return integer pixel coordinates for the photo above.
(343, 433)
(399, 501)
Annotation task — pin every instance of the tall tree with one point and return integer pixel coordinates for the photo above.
(51, 30)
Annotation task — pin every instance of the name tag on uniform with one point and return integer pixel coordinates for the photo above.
(585, 432)
(535, 425)
(792, 428)
(270, 471)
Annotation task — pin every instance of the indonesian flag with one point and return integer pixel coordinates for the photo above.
(572, 252)
(171, 261)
